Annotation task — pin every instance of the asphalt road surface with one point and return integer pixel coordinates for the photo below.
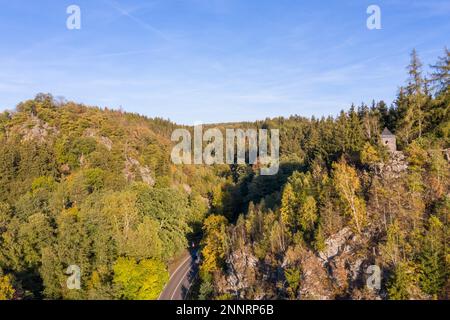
(181, 279)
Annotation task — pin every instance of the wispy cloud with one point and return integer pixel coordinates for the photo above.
(129, 14)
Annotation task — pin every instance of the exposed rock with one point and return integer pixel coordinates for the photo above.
(355, 269)
(345, 260)
(133, 167)
(337, 272)
(36, 130)
(65, 168)
(394, 166)
(146, 176)
(105, 141)
(447, 154)
(82, 160)
(335, 243)
(187, 188)
(315, 282)
(241, 272)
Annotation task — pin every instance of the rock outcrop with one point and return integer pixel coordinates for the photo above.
(335, 244)
(337, 272)
(134, 168)
(105, 141)
(315, 283)
(241, 272)
(36, 130)
(394, 167)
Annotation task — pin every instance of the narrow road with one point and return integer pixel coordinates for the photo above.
(181, 279)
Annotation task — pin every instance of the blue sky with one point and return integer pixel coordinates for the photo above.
(215, 60)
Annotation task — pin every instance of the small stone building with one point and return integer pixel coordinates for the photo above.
(389, 140)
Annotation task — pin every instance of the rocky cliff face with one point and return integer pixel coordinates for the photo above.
(394, 166)
(133, 169)
(36, 130)
(340, 271)
(242, 270)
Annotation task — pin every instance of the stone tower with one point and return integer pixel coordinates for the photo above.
(389, 140)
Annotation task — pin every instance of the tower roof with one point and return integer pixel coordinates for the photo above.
(387, 133)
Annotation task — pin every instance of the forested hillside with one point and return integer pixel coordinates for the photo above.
(342, 203)
(96, 188)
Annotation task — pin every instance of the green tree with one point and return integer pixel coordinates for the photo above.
(293, 278)
(441, 73)
(402, 283)
(413, 112)
(170, 209)
(308, 214)
(433, 268)
(34, 235)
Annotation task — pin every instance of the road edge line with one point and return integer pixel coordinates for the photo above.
(170, 278)
(182, 278)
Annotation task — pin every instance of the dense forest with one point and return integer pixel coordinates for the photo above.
(96, 188)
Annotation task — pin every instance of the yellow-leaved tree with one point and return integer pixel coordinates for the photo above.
(139, 281)
(214, 243)
(348, 186)
(6, 289)
(288, 207)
